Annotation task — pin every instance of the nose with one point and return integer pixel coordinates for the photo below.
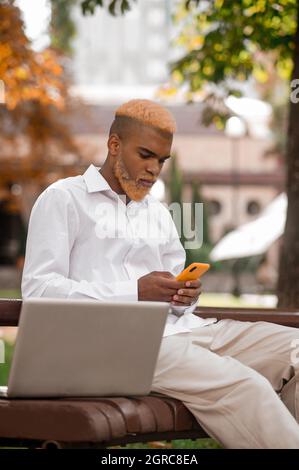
(153, 168)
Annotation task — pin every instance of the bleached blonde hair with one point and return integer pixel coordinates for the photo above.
(149, 113)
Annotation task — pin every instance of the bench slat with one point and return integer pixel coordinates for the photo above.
(10, 312)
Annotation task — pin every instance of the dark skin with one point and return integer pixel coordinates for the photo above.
(144, 152)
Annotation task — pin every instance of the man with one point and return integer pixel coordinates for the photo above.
(102, 236)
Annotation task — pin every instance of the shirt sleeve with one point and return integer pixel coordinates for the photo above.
(53, 227)
(174, 258)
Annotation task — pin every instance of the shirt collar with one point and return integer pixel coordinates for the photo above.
(96, 182)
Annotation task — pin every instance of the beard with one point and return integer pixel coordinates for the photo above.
(131, 188)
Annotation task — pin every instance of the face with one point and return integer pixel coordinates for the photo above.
(139, 161)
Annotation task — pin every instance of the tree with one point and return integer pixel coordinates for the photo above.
(35, 137)
(27, 75)
(33, 116)
(63, 29)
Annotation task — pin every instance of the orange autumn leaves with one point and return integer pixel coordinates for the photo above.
(26, 74)
(35, 132)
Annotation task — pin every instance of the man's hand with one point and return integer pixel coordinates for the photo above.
(189, 294)
(162, 286)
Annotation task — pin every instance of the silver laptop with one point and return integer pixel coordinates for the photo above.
(86, 348)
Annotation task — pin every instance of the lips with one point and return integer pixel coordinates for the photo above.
(147, 183)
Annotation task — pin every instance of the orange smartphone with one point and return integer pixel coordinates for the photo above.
(193, 271)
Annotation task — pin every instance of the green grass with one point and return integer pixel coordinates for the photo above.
(10, 294)
(223, 300)
(178, 444)
(4, 368)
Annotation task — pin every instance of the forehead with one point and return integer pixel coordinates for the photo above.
(152, 139)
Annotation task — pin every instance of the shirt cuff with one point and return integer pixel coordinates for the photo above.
(179, 311)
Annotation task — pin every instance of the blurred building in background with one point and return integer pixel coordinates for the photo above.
(116, 55)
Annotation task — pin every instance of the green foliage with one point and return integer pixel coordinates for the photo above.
(225, 42)
(63, 29)
(89, 6)
(4, 368)
(230, 34)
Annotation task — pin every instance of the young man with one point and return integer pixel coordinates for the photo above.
(102, 236)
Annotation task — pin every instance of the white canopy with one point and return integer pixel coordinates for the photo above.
(254, 238)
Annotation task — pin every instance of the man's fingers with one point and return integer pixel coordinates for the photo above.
(195, 283)
(167, 298)
(168, 295)
(184, 296)
(189, 292)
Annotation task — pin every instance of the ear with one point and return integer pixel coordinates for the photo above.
(114, 144)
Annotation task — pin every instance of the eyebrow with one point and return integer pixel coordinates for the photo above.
(153, 154)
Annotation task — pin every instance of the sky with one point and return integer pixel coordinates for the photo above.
(36, 14)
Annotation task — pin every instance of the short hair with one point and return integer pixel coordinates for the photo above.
(149, 113)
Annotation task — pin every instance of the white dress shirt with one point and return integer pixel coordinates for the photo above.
(85, 242)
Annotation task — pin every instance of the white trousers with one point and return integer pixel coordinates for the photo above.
(239, 379)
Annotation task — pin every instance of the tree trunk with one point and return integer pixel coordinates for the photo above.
(288, 281)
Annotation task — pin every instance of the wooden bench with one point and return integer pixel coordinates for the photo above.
(104, 422)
